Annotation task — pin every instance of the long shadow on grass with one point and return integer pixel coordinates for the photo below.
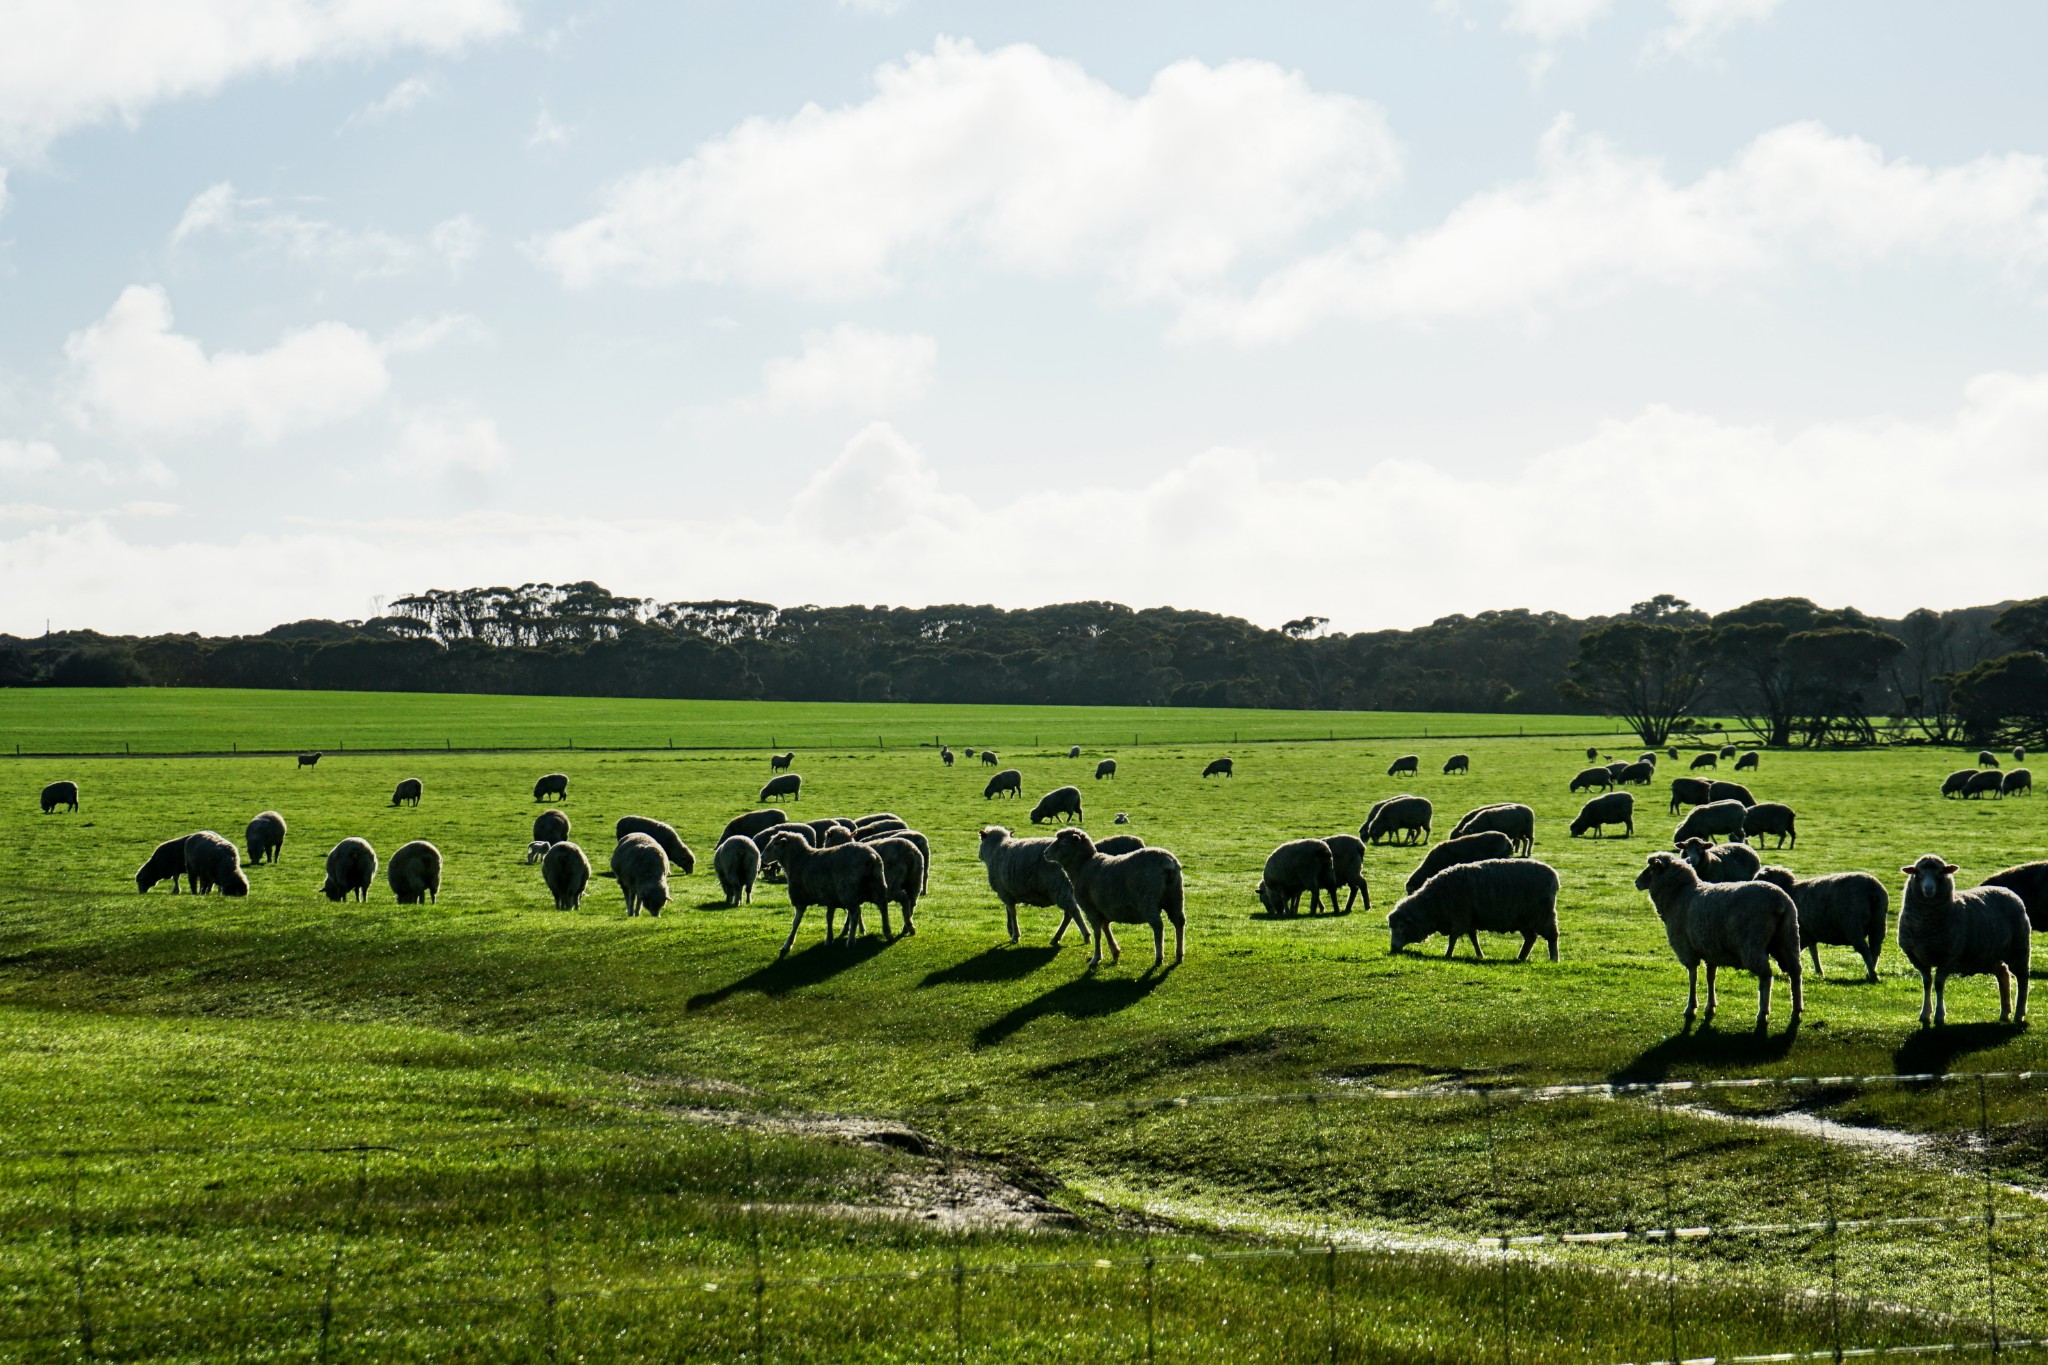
(1709, 1047)
(992, 965)
(1933, 1051)
(1085, 997)
(818, 963)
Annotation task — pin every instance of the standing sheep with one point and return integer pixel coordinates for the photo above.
(1458, 763)
(1845, 908)
(1064, 802)
(2018, 782)
(1297, 866)
(672, 845)
(753, 824)
(842, 878)
(1220, 767)
(1744, 925)
(408, 790)
(308, 760)
(211, 861)
(1406, 763)
(1144, 887)
(1106, 768)
(265, 837)
(1945, 932)
(1615, 808)
(790, 785)
(903, 874)
(1008, 782)
(1725, 818)
(550, 826)
(781, 763)
(1616, 768)
(642, 872)
(1648, 756)
(1347, 858)
(1500, 896)
(2028, 881)
(1958, 782)
(167, 862)
(1409, 816)
(565, 871)
(60, 794)
(1511, 818)
(1987, 780)
(1705, 761)
(1689, 791)
(351, 867)
(737, 861)
(553, 784)
(1019, 874)
(1727, 751)
(415, 873)
(1770, 817)
(988, 757)
(1593, 778)
(1484, 846)
(1720, 863)
(1637, 774)
(1729, 791)
(1748, 762)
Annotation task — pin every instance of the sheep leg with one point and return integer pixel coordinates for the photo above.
(1814, 948)
(1104, 932)
(1473, 934)
(1010, 916)
(795, 920)
(2019, 1012)
(1763, 999)
(1692, 992)
(2004, 993)
(1713, 994)
(1926, 996)
(1940, 996)
(888, 935)
(1158, 944)
(1528, 947)
(1180, 943)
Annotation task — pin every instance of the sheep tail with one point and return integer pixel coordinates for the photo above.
(1784, 945)
(1173, 896)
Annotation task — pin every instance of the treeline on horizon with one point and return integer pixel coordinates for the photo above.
(1791, 671)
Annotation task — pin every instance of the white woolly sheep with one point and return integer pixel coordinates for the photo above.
(1019, 874)
(1498, 896)
(1063, 802)
(351, 868)
(1408, 816)
(1458, 763)
(407, 790)
(553, 784)
(1721, 863)
(1296, 867)
(1648, 756)
(945, 756)
(1592, 753)
(923, 845)
(1406, 763)
(1106, 768)
(1008, 782)
(264, 836)
(1945, 932)
(2019, 755)
(551, 827)
(1723, 818)
(1122, 818)
(1727, 751)
(1483, 846)
(2018, 782)
(1511, 818)
(1742, 925)
(211, 861)
(903, 875)
(672, 845)
(60, 794)
(790, 785)
(842, 878)
(1220, 767)
(642, 872)
(415, 873)
(1844, 908)
(1593, 779)
(1616, 768)
(1144, 887)
(737, 861)
(1615, 808)
(166, 863)
(565, 871)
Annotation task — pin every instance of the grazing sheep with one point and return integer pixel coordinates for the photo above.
(781, 763)
(1592, 753)
(1985, 780)
(265, 837)
(1637, 774)
(945, 756)
(1593, 778)
(878, 825)
(1074, 751)
(1724, 818)
(1958, 782)
(1220, 767)
(1648, 756)
(1404, 815)
(1706, 761)
(1729, 791)
(1347, 857)
(351, 867)
(1479, 847)
(1945, 932)
(212, 861)
(408, 790)
(1142, 887)
(1690, 791)
(308, 760)
(565, 871)
(537, 850)
(968, 752)
(1615, 808)
(2028, 881)
(1516, 821)
(167, 863)
(1616, 768)
(1008, 782)
(842, 878)
(550, 826)
(1500, 896)
(1064, 802)
(1748, 762)
(1119, 843)
(790, 785)
(1458, 763)
(1744, 925)
(1986, 759)
(1672, 751)
(554, 784)
(1771, 817)
(1718, 863)
(988, 757)
(1019, 874)
(672, 845)
(1727, 751)
(60, 794)
(1297, 866)
(1846, 908)
(753, 824)
(834, 836)
(415, 873)
(1406, 763)
(1106, 768)
(642, 872)
(2018, 782)
(737, 862)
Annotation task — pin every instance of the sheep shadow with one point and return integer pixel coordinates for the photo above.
(1707, 1046)
(1085, 997)
(809, 967)
(992, 966)
(720, 904)
(1300, 915)
(1934, 1051)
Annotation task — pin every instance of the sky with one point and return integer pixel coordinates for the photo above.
(1377, 312)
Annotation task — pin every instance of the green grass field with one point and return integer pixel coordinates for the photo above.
(485, 1128)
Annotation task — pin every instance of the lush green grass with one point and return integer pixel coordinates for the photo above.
(449, 1033)
(201, 720)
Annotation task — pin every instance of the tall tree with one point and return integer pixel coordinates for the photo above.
(1649, 675)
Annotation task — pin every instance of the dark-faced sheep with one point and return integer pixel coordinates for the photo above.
(1297, 867)
(2028, 881)
(1945, 932)
(1689, 791)
(1119, 843)
(1407, 816)
(1958, 782)
(407, 791)
(1729, 791)
(1615, 808)
(1498, 896)
(1743, 925)
(1019, 874)
(1720, 863)
(790, 785)
(565, 871)
(1074, 751)
(1637, 775)
(781, 763)
(1717, 818)
(1672, 752)
(2018, 782)
(988, 757)
(415, 873)
(1511, 818)
(1592, 753)
(2019, 755)
(1771, 817)
(1347, 857)
(308, 760)
(1008, 782)
(1987, 781)
(1063, 803)
(754, 824)
(167, 863)
(1986, 759)
(1106, 768)
(737, 861)
(642, 872)
(672, 846)
(1748, 763)
(1484, 846)
(1842, 908)
(1593, 779)
(1406, 763)
(1143, 887)
(264, 837)
(1220, 767)
(211, 861)
(351, 868)
(1705, 761)
(57, 794)
(1458, 763)
(550, 826)
(553, 784)
(843, 878)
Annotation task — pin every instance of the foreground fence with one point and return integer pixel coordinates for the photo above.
(1673, 1222)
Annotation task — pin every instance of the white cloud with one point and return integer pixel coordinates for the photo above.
(547, 130)
(3, 189)
(1018, 155)
(423, 334)
(80, 62)
(851, 368)
(404, 97)
(131, 373)
(883, 8)
(27, 511)
(260, 225)
(20, 459)
(439, 443)
(1548, 21)
(1698, 24)
(1594, 222)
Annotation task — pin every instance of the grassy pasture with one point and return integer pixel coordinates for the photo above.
(534, 1083)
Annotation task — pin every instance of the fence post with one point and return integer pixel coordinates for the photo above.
(547, 1250)
(1990, 1212)
(83, 1310)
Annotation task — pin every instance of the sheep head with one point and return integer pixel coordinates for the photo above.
(1933, 876)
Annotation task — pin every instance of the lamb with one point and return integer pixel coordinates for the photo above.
(2028, 881)
(988, 757)
(1019, 874)
(1498, 895)
(1771, 817)
(211, 861)
(1119, 843)
(1748, 762)
(1404, 815)
(408, 790)
(1144, 887)
(1008, 782)
(1945, 932)
(1516, 821)
(1636, 774)
(1406, 763)
(1484, 846)
(642, 872)
(843, 878)
(1847, 908)
(2018, 782)
(1297, 866)
(166, 863)
(1729, 791)
(1718, 863)
(1958, 782)
(1615, 808)
(60, 794)
(672, 845)
(1986, 780)
(1106, 768)
(415, 873)
(550, 826)
(1074, 751)
(1458, 763)
(1064, 802)
(1347, 857)
(781, 763)
(1220, 767)
(264, 836)
(753, 824)
(1725, 818)
(1743, 925)
(1689, 791)
(565, 871)
(790, 785)
(351, 867)
(536, 850)
(554, 784)
(737, 861)
(1986, 759)
(1590, 778)
(1706, 761)
(308, 760)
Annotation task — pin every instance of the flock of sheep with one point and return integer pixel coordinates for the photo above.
(1721, 906)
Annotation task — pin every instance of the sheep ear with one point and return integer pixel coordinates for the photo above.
(1950, 868)
(1910, 867)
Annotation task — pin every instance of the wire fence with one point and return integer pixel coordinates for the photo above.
(1600, 1223)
